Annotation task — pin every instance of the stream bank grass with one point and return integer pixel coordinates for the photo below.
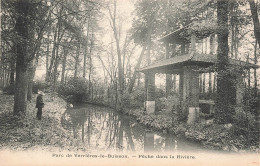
(28, 133)
(211, 136)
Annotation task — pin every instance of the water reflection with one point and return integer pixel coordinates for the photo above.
(102, 129)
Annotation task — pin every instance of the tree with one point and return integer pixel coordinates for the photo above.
(119, 56)
(255, 16)
(25, 11)
(223, 112)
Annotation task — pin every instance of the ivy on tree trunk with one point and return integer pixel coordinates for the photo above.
(224, 83)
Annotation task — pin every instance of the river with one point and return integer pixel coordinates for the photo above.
(103, 129)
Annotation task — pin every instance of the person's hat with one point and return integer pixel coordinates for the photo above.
(40, 93)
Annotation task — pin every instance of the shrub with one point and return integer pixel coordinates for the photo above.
(169, 104)
(251, 99)
(245, 124)
(75, 90)
(135, 99)
(38, 85)
(182, 116)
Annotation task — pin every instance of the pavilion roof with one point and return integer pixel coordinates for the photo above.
(175, 64)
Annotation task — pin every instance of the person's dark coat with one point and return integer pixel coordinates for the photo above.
(39, 105)
(39, 102)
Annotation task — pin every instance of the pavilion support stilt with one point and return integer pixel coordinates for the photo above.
(191, 93)
(181, 88)
(150, 93)
(148, 141)
(169, 84)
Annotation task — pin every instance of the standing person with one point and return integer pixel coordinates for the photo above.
(39, 105)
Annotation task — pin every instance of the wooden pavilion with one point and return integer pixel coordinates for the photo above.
(188, 63)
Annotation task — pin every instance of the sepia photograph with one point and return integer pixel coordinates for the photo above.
(129, 82)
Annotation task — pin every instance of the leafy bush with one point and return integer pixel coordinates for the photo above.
(159, 93)
(135, 99)
(38, 85)
(159, 122)
(245, 124)
(76, 90)
(169, 104)
(251, 100)
(182, 116)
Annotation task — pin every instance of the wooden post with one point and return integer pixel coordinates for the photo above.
(191, 92)
(181, 88)
(212, 44)
(148, 141)
(174, 83)
(168, 76)
(169, 84)
(150, 93)
(240, 90)
(210, 83)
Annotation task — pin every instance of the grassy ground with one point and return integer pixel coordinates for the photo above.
(28, 133)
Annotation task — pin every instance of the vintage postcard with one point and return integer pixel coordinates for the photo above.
(129, 82)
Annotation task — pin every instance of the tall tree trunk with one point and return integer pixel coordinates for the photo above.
(22, 28)
(30, 83)
(1, 55)
(52, 71)
(119, 56)
(256, 101)
(1, 70)
(86, 49)
(89, 75)
(249, 78)
(31, 74)
(60, 34)
(77, 61)
(232, 22)
(248, 74)
(90, 62)
(64, 63)
(12, 67)
(132, 81)
(223, 112)
(148, 38)
(255, 73)
(236, 41)
(49, 76)
(55, 71)
(255, 17)
(47, 56)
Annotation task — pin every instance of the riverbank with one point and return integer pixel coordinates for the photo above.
(28, 133)
(209, 134)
